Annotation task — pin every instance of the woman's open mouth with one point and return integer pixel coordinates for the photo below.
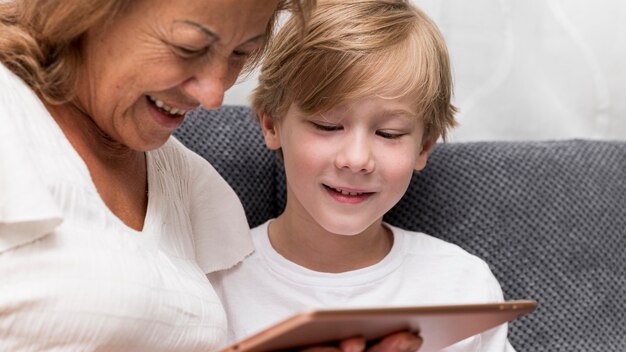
(168, 110)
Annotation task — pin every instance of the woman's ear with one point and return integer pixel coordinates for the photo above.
(270, 131)
(427, 147)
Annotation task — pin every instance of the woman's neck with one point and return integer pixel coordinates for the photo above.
(86, 137)
(118, 172)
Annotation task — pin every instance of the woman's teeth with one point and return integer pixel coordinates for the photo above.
(166, 108)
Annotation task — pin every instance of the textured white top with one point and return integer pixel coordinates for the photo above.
(74, 277)
(419, 270)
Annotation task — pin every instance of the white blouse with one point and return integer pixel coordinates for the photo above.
(74, 277)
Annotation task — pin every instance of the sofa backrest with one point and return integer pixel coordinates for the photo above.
(548, 217)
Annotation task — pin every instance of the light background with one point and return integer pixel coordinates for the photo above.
(529, 69)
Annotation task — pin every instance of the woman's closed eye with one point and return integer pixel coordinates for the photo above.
(189, 52)
(239, 58)
(241, 54)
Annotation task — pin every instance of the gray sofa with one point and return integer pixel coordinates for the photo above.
(548, 217)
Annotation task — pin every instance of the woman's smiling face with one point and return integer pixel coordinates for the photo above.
(159, 59)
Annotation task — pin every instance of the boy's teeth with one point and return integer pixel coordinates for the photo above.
(170, 110)
(346, 193)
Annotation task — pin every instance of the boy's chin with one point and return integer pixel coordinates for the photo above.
(350, 229)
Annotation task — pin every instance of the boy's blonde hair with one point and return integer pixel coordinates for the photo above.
(350, 49)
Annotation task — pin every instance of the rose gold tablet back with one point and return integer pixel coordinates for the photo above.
(439, 326)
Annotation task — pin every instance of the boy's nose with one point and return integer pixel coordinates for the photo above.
(356, 155)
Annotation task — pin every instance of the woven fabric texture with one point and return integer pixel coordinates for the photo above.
(548, 217)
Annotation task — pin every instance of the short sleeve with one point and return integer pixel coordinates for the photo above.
(27, 209)
(221, 232)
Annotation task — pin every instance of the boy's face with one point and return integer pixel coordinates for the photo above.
(346, 168)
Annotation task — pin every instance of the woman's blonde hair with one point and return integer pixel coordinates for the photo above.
(351, 49)
(40, 40)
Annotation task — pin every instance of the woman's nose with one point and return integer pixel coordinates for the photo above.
(356, 154)
(208, 84)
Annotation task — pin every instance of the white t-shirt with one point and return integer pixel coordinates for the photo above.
(419, 270)
(74, 277)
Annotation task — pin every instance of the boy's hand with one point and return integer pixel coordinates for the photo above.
(397, 342)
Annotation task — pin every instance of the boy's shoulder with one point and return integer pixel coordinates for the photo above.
(421, 245)
(447, 268)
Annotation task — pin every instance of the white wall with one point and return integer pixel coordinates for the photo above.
(530, 69)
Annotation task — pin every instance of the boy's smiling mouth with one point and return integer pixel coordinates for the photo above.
(345, 192)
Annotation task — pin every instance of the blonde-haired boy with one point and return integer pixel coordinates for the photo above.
(354, 104)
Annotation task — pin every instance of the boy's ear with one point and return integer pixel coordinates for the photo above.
(427, 147)
(270, 131)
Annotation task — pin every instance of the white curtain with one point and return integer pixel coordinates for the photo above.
(530, 69)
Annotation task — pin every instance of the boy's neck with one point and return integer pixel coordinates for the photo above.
(317, 249)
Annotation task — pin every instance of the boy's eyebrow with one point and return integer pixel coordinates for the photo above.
(400, 113)
(215, 37)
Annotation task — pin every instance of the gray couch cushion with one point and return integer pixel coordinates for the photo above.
(549, 218)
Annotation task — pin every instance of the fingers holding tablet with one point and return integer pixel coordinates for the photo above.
(403, 341)
(398, 342)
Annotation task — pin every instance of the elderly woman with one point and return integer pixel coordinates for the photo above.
(108, 226)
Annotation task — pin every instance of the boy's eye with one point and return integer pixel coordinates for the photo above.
(326, 127)
(389, 135)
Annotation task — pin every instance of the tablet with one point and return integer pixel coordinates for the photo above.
(439, 326)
